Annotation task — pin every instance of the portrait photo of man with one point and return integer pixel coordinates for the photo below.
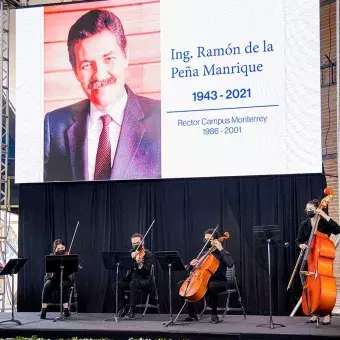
(114, 134)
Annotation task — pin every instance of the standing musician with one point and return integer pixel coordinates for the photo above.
(52, 283)
(326, 226)
(138, 279)
(218, 281)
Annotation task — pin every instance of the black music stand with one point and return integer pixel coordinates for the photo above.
(12, 267)
(117, 260)
(269, 234)
(170, 261)
(67, 263)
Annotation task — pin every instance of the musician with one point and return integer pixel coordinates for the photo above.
(218, 281)
(137, 279)
(326, 226)
(52, 283)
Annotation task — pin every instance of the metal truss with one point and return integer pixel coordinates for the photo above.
(4, 203)
(5, 245)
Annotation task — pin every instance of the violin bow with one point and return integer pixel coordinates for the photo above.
(145, 235)
(74, 234)
(205, 245)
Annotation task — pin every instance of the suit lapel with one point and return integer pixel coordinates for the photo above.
(76, 135)
(130, 137)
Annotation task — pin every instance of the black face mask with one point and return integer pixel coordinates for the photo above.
(135, 246)
(310, 213)
(209, 243)
(60, 252)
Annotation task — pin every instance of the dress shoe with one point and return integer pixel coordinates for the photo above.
(66, 312)
(311, 321)
(131, 313)
(325, 323)
(190, 318)
(123, 311)
(215, 319)
(43, 313)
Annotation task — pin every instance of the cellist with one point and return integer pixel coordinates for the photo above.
(218, 281)
(326, 226)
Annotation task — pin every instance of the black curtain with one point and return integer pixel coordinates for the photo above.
(110, 212)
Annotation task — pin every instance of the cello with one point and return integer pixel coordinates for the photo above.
(195, 286)
(318, 282)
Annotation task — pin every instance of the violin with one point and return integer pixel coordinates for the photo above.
(195, 286)
(139, 253)
(319, 285)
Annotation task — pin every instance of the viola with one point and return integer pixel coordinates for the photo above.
(195, 286)
(319, 285)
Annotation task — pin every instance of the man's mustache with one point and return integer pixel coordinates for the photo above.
(98, 84)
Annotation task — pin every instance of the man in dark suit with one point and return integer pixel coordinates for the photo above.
(114, 134)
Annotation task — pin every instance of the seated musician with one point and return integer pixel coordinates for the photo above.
(218, 281)
(52, 283)
(138, 279)
(326, 226)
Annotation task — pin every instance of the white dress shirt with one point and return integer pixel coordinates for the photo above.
(94, 129)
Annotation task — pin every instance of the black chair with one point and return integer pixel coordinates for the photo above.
(232, 289)
(73, 296)
(154, 290)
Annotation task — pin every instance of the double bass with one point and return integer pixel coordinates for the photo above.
(318, 282)
(195, 286)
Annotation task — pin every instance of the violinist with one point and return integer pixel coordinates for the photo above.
(138, 279)
(326, 226)
(52, 283)
(218, 281)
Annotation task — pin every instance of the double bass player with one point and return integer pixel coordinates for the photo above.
(326, 226)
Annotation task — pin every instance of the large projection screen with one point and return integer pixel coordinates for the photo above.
(120, 90)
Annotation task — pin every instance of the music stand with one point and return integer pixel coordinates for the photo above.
(12, 267)
(170, 261)
(117, 260)
(67, 263)
(269, 234)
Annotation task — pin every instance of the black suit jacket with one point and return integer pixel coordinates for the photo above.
(138, 154)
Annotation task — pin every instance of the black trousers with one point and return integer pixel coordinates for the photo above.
(52, 285)
(214, 288)
(132, 285)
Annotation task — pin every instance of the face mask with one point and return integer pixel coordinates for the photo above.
(60, 252)
(135, 246)
(208, 245)
(310, 213)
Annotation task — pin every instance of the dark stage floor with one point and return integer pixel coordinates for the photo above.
(150, 327)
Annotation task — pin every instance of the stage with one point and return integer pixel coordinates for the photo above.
(150, 327)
